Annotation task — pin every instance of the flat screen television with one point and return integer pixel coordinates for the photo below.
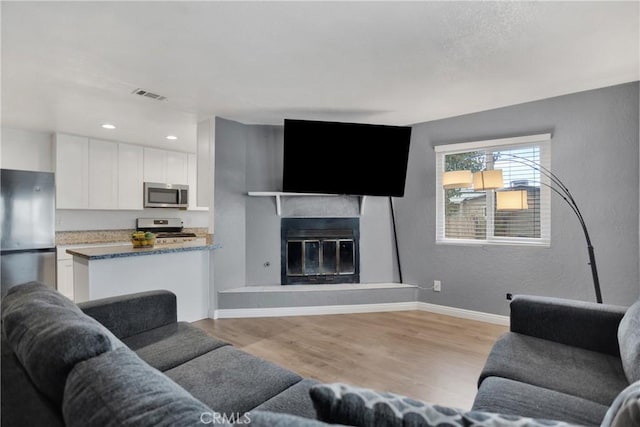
(345, 158)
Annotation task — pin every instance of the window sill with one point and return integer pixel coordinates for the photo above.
(469, 242)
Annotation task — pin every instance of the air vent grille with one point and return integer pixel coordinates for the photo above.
(148, 94)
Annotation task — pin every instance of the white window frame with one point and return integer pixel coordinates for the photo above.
(542, 141)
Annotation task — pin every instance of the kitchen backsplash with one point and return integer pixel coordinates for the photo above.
(108, 236)
(90, 220)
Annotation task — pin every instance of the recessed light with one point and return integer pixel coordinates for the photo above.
(108, 126)
(171, 137)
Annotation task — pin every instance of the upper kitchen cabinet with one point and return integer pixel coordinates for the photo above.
(97, 174)
(155, 165)
(177, 168)
(192, 169)
(103, 174)
(130, 176)
(164, 166)
(72, 171)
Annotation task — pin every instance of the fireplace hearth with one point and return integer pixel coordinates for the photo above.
(320, 250)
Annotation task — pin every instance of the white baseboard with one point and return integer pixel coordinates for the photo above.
(233, 313)
(463, 313)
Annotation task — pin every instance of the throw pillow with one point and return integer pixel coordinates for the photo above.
(625, 409)
(118, 388)
(340, 403)
(49, 334)
(276, 419)
(629, 339)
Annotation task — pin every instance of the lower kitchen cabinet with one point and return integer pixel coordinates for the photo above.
(64, 283)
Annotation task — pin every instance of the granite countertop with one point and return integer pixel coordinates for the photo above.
(127, 250)
(65, 238)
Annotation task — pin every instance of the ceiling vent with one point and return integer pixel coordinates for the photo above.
(148, 94)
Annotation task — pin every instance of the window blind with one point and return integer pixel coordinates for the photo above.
(468, 216)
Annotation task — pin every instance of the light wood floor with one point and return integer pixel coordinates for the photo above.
(426, 356)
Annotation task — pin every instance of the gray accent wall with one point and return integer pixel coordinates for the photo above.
(229, 202)
(594, 150)
(249, 158)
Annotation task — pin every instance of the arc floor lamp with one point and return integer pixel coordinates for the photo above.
(517, 199)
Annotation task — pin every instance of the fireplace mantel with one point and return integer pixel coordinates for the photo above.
(279, 195)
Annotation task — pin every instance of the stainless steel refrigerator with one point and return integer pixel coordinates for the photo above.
(27, 224)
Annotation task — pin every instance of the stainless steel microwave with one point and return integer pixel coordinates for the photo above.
(159, 195)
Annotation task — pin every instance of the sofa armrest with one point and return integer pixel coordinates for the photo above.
(581, 324)
(132, 314)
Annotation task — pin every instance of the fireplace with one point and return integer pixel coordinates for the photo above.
(320, 250)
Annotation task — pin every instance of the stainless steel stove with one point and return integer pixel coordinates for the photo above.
(167, 230)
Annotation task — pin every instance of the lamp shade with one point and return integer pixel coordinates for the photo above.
(512, 200)
(488, 180)
(456, 179)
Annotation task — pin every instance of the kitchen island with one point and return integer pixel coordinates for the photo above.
(182, 268)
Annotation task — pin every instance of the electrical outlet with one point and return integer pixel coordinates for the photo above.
(437, 285)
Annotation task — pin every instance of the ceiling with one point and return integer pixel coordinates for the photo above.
(71, 66)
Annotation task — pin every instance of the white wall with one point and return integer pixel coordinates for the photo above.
(26, 150)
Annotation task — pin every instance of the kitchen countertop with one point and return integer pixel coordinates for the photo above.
(65, 238)
(127, 250)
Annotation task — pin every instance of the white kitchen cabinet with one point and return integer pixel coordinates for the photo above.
(97, 174)
(130, 176)
(65, 278)
(155, 165)
(165, 166)
(192, 169)
(177, 168)
(64, 282)
(72, 171)
(103, 174)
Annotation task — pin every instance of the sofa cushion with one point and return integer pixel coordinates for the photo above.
(232, 381)
(625, 410)
(49, 335)
(515, 398)
(583, 373)
(171, 345)
(119, 389)
(295, 400)
(21, 403)
(341, 403)
(629, 339)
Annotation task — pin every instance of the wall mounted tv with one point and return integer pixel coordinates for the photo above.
(345, 158)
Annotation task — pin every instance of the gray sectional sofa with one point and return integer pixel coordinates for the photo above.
(562, 359)
(126, 361)
(52, 353)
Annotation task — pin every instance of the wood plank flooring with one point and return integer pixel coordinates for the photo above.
(426, 356)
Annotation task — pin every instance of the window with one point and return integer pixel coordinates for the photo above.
(468, 216)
